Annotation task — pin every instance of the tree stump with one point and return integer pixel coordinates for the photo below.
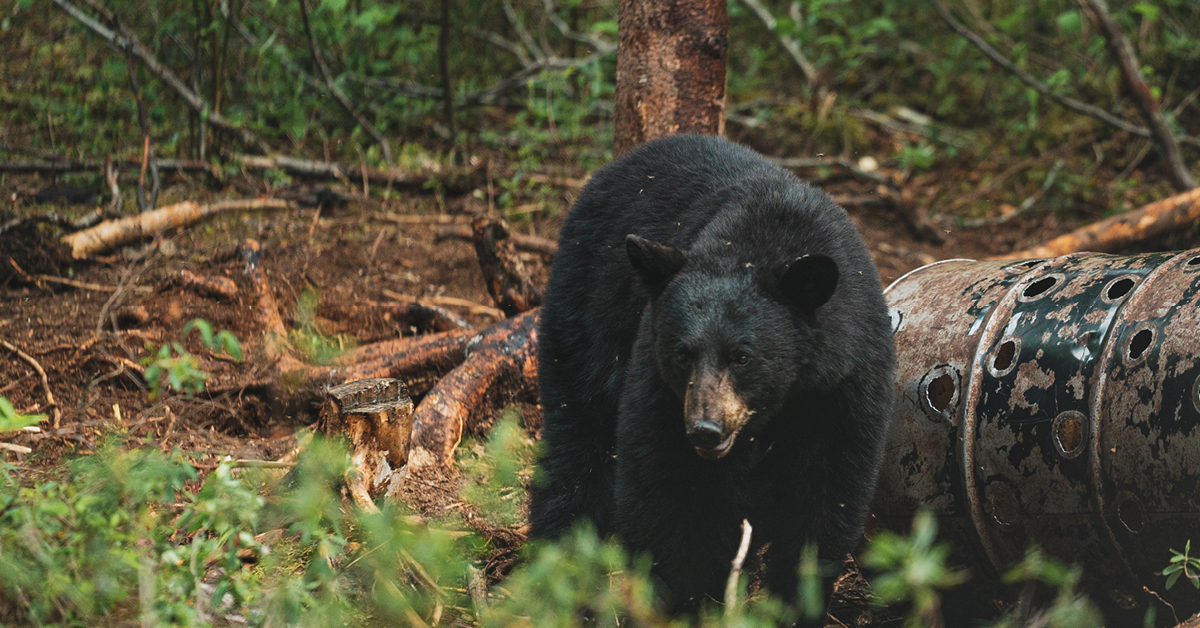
(376, 417)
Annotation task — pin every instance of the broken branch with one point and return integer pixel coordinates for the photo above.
(503, 272)
(37, 366)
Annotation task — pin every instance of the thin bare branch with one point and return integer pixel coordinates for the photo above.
(731, 583)
(500, 42)
(337, 93)
(788, 42)
(1122, 52)
(444, 65)
(190, 98)
(519, 27)
(600, 44)
(1028, 79)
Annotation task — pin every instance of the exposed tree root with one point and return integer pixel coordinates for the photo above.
(464, 374)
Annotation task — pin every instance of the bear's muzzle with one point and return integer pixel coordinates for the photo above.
(713, 414)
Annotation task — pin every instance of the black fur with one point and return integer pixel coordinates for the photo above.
(748, 274)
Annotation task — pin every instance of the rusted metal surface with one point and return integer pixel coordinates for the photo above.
(1052, 402)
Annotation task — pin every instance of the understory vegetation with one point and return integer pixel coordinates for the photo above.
(530, 84)
(131, 534)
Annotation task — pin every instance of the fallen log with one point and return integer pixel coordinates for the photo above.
(124, 230)
(1113, 234)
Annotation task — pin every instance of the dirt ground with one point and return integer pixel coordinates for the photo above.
(90, 340)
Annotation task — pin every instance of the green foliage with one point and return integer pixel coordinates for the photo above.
(498, 470)
(578, 578)
(10, 420)
(87, 547)
(317, 347)
(1183, 563)
(175, 366)
(1069, 609)
(913, 569)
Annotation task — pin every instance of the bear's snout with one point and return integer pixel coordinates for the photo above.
(713, 414)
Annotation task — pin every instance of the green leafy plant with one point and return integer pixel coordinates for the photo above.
(913, 569)
(1183, 564)
(1068, 610)
(11, 420)
(176, 368)
(498, 470)
(317, 347)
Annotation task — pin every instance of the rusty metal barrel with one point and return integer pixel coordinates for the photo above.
(1053, 402)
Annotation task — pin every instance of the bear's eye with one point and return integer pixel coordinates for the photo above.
(741, 359)
(682, 355)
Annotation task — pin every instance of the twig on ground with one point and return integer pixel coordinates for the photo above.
(731, 583)
(37, 366)
(533, 244)
(1122, 52)
(83, 285)
(424, 219)
(20, 449)
(472, 307)
(788, 42)
(1150, 221)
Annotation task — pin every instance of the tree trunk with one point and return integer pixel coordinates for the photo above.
(670, 69)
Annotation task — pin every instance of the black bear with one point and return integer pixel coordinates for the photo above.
(714, 346)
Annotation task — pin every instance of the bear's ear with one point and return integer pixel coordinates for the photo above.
(654, 262)
(808, 281)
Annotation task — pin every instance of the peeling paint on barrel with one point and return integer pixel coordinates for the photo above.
(1052, 402)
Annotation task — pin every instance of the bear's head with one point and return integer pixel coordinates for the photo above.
(730, 341)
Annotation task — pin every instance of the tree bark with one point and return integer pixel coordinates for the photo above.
(670, 69)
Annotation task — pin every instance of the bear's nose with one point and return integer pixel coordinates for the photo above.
(705, 434)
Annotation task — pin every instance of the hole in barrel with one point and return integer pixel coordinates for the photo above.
(1005, 355)
(1119, 288)
(1069, 433)
(1039, 287)
(1194, 262)
(1139, 343)
(940, 392)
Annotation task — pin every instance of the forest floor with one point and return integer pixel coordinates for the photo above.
(353, 258)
